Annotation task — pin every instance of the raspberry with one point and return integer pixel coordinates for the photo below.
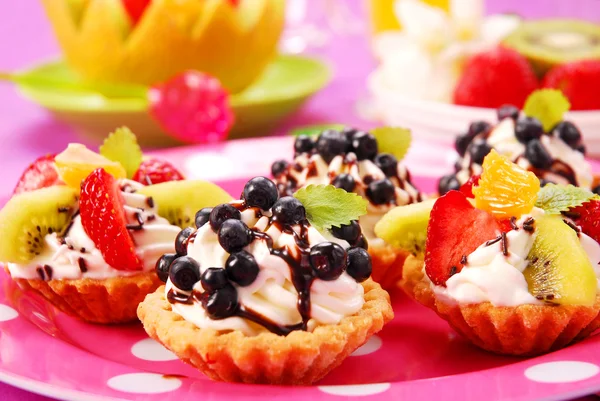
(154, 171)
(41, 173)
(588, 217)
(193, 107)
(494, 78)
(579, 81)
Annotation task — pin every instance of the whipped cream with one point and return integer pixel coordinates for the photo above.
(76, 256)
(272, 295)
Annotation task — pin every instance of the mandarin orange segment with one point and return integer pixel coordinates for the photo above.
(505, 189)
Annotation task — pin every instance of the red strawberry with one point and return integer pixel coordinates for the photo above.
(455, 230)
(103, 219)
(588, 217)
(467, 187)
(135, 9)
(155, 171)
(579, 81)
(495, 77)
(40, 174)
(193, 107)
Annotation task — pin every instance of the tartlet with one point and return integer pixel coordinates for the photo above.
(259, 295)
(354, 161)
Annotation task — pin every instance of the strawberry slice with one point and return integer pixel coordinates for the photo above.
(154, 171)
(467, 187)
(41, 173)
(455, 229)
(587, 216)
(103, 219)
(135, 9)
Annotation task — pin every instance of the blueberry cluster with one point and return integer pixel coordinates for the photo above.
(528, 131)
(332, 143)
(327, 260)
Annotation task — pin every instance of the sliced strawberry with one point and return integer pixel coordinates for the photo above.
(155, 171)
(467, 187)
(587, 216)
(135, 9)
(103, 219)
(456, 229)
(41, 173)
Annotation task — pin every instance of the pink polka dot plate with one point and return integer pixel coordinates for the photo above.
(416, 356)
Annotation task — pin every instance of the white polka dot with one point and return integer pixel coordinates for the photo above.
(369, 347)
(150, 350)
(7, 313)
(561, 372)
(356, 390)
(144, 383)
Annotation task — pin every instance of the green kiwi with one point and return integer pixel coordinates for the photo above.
(559, 270)
(28, 217)
(178, 201)
(405, 227)
(550, 42)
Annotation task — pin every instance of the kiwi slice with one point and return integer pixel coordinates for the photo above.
(178, 201)
(405, 227)
(550, 42)
(28, 217)
(559, 270)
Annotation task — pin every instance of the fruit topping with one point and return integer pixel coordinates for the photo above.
(289, 210)
(448, 183)
(154, 171)
(184, 273)
(242, 268)
(359, 264)
(328, 260)
(29, 216)
(579, 81)
(505, 189)
(260, 192)
(221, 213)
(103, 219)
(76, 163)
(192, 195)
(478, 150)
(234, 235)
(345, 182)
(41, 173)
(467, 187)
(405, 227)
(330, 144)
(568, 132)
(559, 269)
(495, 77)
(163, 265)
(121, 146)
(587, 216)
(193, 107)
(222, 303)
(387, 163)
(537, 155)
(202, 216)
(214, 278)
(527, 129)
(548, 106)
(393, 140)
(135, 9)
(181, 241)
(508, 111)
(303, 144)
(347, 232)
(381, 192)
(364, 145)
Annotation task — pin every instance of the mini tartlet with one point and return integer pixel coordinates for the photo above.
(355, 161)
(85, 237)
(510, 266)
(259, 295)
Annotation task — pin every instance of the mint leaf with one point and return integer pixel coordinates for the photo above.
(328, 206)
(121, 146)
(312, 130)
(560, 198)
(548, 106)
(394, 140)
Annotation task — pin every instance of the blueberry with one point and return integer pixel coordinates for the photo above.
(221, 213)
(303, 144)
(568, 132)
(359, 264)
(381, 191)
(448, 183)
(242, 268)
(362, 242)
(478, 127)
(181, 241)
(387, 163)
(461, 143)
(528, 128)
(345, 182)
(581, 149)
(349, 133)
(163, 264)
(596, 190)
(478, 150)
(328, 260)
(222, 303)
(279, 167)
(184, 273)
(289, 210)
(347, 232)
(214, 278)
(234, 235)
(537, 155)
(202, 216)
(508, 111)
(260, 192)
(330, 144)
(364, 145)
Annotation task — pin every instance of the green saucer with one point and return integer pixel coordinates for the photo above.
(282, 88)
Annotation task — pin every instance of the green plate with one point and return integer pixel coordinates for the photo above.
(286, 83)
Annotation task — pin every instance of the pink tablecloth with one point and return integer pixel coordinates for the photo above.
(27, 131)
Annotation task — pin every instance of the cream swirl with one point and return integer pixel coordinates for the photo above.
(272, 295)
(76, 256)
